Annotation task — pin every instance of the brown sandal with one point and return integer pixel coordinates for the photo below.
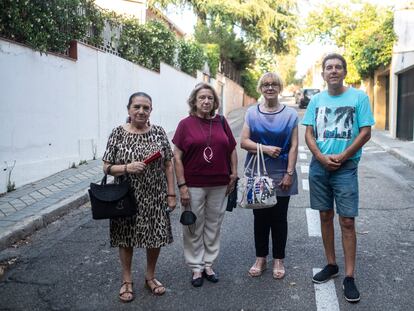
(126, 291)
(157, 289)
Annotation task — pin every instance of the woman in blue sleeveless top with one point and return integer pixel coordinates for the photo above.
(275, 126)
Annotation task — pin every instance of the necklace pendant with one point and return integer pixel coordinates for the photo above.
(208, 154)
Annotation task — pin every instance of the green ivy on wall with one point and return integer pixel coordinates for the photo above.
(50, 25)
(191, 57)
(147, 44)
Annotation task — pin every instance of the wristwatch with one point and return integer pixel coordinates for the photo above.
(290, 173)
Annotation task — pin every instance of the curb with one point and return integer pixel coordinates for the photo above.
(394, 152)
(31, 224)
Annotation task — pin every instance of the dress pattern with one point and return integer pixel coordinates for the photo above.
(150, 227)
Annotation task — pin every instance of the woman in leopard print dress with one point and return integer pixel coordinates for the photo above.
(153, 185)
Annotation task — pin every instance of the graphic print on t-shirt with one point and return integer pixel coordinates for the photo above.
(334, 122)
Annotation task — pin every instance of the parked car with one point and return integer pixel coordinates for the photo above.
(305, 96)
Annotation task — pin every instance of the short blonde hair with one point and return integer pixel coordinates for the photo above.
(274, 76)
(193, 98)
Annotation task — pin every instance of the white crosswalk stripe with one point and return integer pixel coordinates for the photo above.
(314, 223)
(305, 184)
(304, 169)
(325, 295)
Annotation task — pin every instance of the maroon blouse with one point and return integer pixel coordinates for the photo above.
(203, 166)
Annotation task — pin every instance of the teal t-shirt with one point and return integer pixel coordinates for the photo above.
(336, 120)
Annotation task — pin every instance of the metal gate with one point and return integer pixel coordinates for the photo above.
(405, 107)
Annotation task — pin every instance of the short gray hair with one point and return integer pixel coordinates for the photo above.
(274, 76)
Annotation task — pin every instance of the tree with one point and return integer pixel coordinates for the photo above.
(249, 34)
(231, 48)
(269, 23)
(191, 57)
(365, 33)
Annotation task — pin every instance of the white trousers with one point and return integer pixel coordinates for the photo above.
(202, 246)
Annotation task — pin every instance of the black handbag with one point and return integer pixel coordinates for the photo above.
(112, 200)
(232, 198)
(188, 218)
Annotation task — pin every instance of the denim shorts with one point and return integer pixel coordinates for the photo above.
(340, 186)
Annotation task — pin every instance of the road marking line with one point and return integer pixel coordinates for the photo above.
(305, 184)
(314, 222)
(302, 149)
(304, 169)
(376, 151)
(325, 294)
(303, 156)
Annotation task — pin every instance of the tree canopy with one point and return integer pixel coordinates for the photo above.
(364, 32)
(270, 23)
(251, 34)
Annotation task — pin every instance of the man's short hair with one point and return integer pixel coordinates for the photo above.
(334, 56)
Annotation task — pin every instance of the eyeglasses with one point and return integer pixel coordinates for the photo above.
(270, 85)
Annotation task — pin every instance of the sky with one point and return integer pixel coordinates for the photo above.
(309, 53)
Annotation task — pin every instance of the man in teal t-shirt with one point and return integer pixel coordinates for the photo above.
(338, 123)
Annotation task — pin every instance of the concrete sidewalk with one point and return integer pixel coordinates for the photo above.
(403, 150)
(35, 205)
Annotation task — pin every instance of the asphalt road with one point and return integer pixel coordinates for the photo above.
(70, 266)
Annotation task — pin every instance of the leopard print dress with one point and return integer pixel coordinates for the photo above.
(150, 227)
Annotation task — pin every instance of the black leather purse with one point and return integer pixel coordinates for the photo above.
(232, 198)
(112, 200)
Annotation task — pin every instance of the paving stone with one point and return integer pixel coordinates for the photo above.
(36, 195)
(53, 188)
(45, 191)
(5, 205)
(8, 211)
(74, 179)
(27, 199)
(14, 194)
(18, 204)
(42, 184)
(67, 182)
(60, 185)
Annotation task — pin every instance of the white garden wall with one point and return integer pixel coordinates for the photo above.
(54, 110)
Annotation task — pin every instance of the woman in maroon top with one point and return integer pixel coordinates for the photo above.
(205, 161)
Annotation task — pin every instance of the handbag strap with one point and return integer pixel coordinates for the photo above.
(258, 148)
(249, 164)
(108, 171)
(262, 159)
